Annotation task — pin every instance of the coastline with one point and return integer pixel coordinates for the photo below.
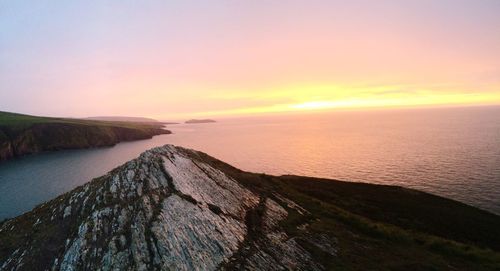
(22, 134)
(363, 224)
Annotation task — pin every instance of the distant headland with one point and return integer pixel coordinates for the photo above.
(24, 134)
(122, 118)
(131, 119)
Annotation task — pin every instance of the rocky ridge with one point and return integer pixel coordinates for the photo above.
(166, 210)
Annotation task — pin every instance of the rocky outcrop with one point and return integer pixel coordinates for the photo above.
(166, 210)
(57, 136)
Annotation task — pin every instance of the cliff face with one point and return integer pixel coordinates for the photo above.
(166, 210)
(56, 136)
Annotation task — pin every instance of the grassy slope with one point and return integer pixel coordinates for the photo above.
(21, 134)
(384, 227)
(20, 121)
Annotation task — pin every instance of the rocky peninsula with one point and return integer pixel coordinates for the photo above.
(178, 209)
(23, 134)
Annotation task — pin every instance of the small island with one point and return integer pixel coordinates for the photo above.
(196, 121)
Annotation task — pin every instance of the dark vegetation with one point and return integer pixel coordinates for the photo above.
(24, 134)
(375, 227)
(381, 227)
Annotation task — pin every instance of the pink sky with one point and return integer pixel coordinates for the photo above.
(179, 59)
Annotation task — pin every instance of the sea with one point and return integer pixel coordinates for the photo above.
(451, 152)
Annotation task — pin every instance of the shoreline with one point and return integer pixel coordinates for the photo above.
(357, 224)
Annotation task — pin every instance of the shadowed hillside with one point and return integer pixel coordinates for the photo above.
(24, 134)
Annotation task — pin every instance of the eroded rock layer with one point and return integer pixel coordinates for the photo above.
(166, 210)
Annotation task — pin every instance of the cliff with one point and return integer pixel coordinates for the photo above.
(23, 134)
(178, 209)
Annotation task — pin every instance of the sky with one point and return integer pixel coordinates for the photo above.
(179, 59)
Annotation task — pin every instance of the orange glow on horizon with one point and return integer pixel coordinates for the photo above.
(324, 98)
(175, 60)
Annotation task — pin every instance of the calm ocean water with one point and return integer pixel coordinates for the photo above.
(452, 152)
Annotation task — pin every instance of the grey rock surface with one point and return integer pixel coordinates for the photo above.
(166, 210)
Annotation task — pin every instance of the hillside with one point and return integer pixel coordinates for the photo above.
(24, 134)
(179, 209)
(122, 118)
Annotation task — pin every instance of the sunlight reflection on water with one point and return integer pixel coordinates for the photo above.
(449, 152)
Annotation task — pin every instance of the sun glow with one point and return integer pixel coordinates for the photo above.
(298, 99)
(401, 101)
(314, 105)
(173, 60)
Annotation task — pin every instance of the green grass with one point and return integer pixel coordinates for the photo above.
(375, 238)
(21, 121)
